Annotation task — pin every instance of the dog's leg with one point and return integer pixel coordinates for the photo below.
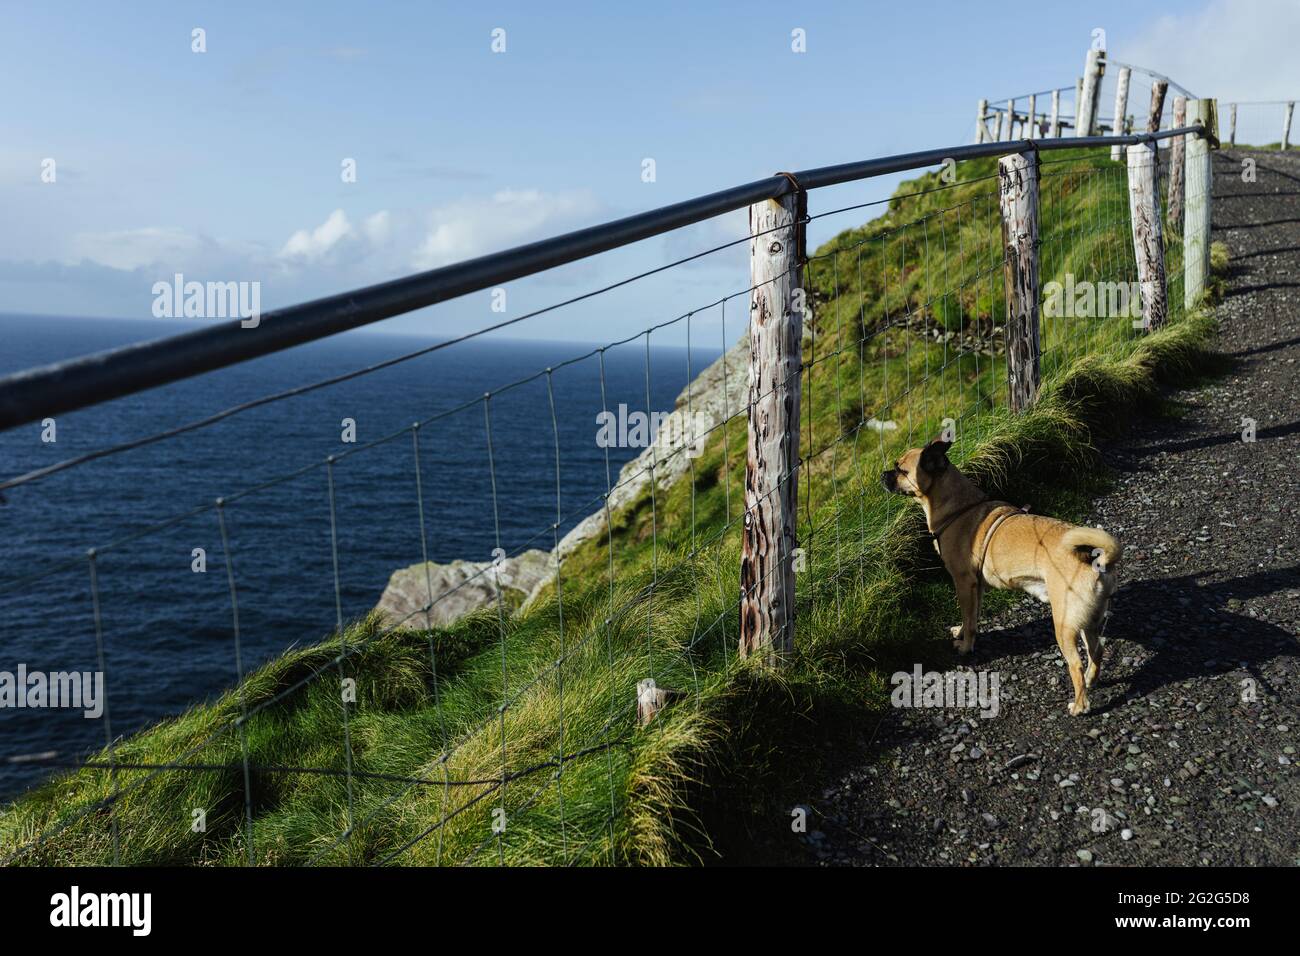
(969, 593)
(1092, 640)
(1067, 639)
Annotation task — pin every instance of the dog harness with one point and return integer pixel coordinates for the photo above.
(988, 535)
(938, 532)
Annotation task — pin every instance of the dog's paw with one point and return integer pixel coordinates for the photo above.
(1075, 710)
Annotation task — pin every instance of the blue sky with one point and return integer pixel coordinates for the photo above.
(225, 165)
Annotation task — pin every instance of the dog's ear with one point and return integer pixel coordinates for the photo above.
(934, 457)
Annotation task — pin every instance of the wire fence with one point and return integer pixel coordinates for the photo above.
(511, 728)
(1259, 124)
(1031, 114)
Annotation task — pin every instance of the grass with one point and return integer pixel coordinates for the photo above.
(907, 310)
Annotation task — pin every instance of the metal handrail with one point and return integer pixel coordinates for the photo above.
(36, 393)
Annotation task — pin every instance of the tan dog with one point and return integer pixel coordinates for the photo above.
(987, 543)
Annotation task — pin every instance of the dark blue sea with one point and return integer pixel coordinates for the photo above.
(168, 630)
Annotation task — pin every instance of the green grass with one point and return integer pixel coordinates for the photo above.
(745, 736)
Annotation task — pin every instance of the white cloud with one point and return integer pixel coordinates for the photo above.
(472, 227)
(315, 243)
(135, 248)
(337, 241)
(1229, 49)
(337, 253)
(378, 228)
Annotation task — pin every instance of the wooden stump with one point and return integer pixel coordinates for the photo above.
(651, 699)
(1121, 109)
(1158, 89)
(1148, 237)
(1018, 189)
(1177, 166)
(1094, 66)
(772, 463)
(1196, 225)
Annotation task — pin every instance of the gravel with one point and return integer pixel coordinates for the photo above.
(1177, 763)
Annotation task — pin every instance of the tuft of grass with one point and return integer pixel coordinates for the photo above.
(907, 310)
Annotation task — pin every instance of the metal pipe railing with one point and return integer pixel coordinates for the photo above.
(65, 386)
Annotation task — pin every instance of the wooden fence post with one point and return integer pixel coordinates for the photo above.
(1054, 127)
(1196, 224)
(1033, 116)
(1018, 191)
(776, 313)
(1094, 66)
(1158, 88)
(1009, 129)
(1177, 166)
(1148, 237)
(1286, 125)
(1232, 125)
(981, 130)
(1078, 99)
(1121, 109)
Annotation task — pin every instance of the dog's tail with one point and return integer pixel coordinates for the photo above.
(1104, 551)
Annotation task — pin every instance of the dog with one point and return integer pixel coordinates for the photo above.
(986, 543)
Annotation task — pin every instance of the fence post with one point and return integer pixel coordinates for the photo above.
(981, 131)
(1009, 129)
(1232, 125)
(1196, 225)
(1093, 67)
(1286, 125)
(1033, 116)
(1158, 88)
(1054, 127)
(1018, 191)
(776, 312)
(1177, 167)
(997, 127)
(1148, 237)
(1121, 109)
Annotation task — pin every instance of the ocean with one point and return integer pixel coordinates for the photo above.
(167, 629)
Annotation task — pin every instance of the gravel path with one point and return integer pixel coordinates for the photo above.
(1172, 766)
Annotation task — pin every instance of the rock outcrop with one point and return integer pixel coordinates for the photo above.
(460, 587)
(707, 407)
(464, 586)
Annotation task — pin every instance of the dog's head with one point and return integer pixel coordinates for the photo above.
(916, 472)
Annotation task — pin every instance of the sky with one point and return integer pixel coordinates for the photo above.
(227, 164)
